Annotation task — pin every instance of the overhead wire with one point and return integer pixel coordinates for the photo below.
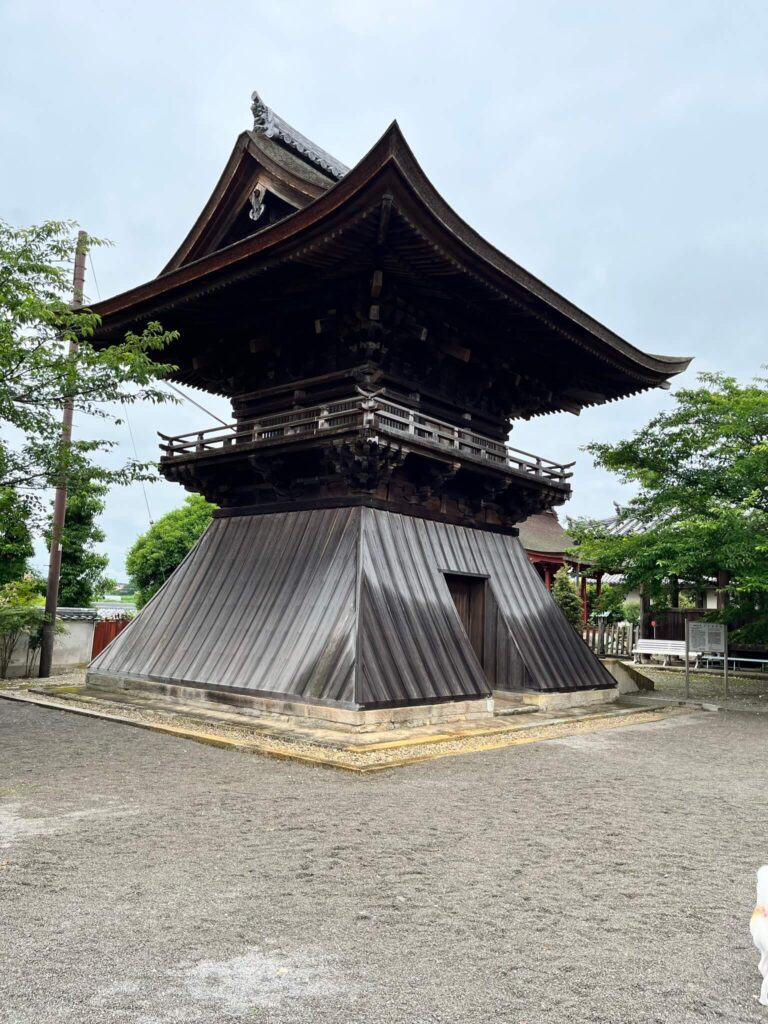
(125, 410)
(136, 456)
(168, 384)
(199, 406)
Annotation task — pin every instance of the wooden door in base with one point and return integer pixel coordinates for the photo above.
(468, 593)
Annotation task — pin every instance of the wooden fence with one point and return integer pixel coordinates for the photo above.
(105, 632)
(611, 640)
(670, 622)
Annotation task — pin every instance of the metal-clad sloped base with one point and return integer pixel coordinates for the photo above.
(412, 645)
(349, 606)
(409, 644)
(264, 604)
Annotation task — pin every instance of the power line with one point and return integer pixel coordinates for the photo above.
(136, 455)
(93, 273)
(125, 410)
(168, 383)
(202, 407)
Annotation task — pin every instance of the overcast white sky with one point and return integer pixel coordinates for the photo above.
(616, 150)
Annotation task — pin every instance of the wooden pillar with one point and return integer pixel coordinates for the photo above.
(584, 609)
(645, 613)
(598, 584)
(548, 578)
(723, 579)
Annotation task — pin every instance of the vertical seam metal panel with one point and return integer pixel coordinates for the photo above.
(263, 603)
(348, 605)
(413, 646)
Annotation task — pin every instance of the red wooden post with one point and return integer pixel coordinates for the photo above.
(584, 609)
(548, 578)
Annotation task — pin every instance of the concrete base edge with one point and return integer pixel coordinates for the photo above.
(553, 701)
(297, 713)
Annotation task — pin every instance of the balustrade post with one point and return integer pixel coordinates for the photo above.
(369, 413)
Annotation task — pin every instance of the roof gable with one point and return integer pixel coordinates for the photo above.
(272, 171)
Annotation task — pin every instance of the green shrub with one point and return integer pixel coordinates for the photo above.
(566, 595)
(20, 614)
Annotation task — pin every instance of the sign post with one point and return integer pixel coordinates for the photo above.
(687, 651)
(707, 638)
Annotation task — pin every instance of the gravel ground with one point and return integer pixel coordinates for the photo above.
(389, 748)
(75, 678)
(746, 691)
(605, 877)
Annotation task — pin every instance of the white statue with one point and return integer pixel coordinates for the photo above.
(758, 925)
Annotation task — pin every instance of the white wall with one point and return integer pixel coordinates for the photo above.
(70, 650)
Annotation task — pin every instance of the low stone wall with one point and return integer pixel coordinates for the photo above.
(628, 678)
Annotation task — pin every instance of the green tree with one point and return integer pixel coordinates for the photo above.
(566, 596)
(156, 553)
(701, 507)
(610, 599)
(21, 614)
(15, 537)
(83, 578)
(38, 373)
(631, 612)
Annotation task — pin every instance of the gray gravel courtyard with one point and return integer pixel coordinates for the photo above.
(606, 877)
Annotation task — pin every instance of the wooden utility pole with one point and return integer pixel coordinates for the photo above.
(60, 501)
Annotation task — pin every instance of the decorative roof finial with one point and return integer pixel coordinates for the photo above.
(266, 122)
(261, 114)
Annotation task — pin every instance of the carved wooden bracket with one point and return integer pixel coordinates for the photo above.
(365, 463)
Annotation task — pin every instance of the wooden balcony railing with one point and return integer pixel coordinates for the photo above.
(376, 414)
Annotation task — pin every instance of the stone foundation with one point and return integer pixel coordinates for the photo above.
(554, 701)
(302, 714)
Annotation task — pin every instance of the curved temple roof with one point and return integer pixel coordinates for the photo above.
(386, 202)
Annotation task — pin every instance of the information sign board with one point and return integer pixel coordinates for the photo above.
(706, 637)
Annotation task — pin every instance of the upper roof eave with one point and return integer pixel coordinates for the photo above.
(391, 149)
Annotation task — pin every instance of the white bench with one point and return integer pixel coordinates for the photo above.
(664, 648)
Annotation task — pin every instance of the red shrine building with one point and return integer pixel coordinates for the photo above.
(548, 546)
(376, 352)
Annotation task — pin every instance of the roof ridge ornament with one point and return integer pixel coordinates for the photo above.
(266, 122)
